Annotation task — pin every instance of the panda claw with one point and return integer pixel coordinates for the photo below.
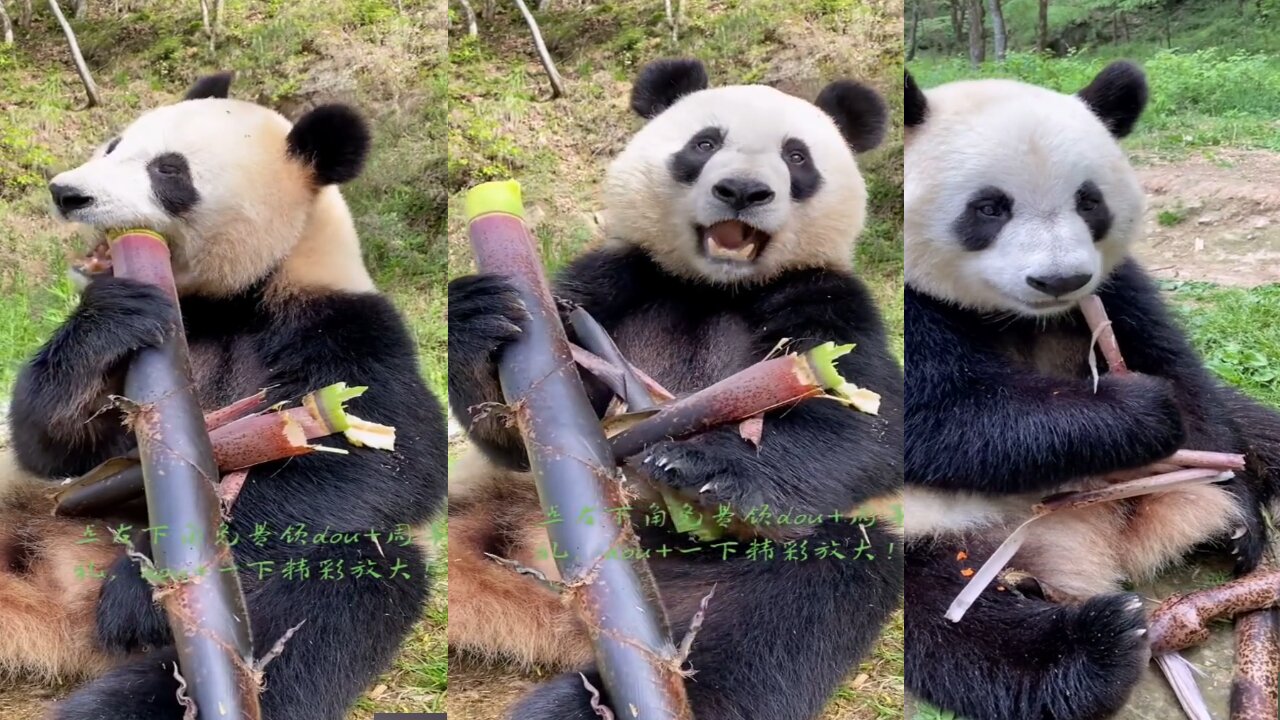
(1240, 532)
(1134, 605)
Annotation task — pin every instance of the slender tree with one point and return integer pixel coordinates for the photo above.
(1042, 27)
(977, 43)
(557, 84)
(82, 69)
(6, 24)
(914, 42)
(998, 29)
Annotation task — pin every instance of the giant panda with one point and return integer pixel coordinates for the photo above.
(1020, 202)
(273, 294)
(730, 222)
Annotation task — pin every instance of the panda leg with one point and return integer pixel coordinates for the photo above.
(1014, 657)
(353, 628)
(778, 636)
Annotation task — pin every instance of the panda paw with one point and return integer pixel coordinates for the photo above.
(123, 315)
(716, 467)
(1111, 632)
(1248, 541)
(485, 313)
(562, 698)
(143, 689)
(128, 618)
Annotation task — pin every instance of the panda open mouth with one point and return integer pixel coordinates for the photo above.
(95, 262)
(732, 241)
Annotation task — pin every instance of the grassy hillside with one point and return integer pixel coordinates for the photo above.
(502, 125)
(289, 55)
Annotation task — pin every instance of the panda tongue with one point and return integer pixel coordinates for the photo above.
(730, 234)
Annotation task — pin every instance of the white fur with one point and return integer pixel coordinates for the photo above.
(1036, 145)
(646, 207)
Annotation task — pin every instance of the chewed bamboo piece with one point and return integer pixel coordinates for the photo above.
(1071, 500)
(241, 438)
(1181, 675)
(1103, 334)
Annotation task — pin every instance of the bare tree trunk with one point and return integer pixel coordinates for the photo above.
(998, 29)
(914, 43)
(80, 8)
(557, 84)
(1042, 27)
(6, 23)
(472, 29)
(218, 7)
(671, 20)
(205, 23)
(957, 20)
(977, 43)
(1168, 23)
(89, 88)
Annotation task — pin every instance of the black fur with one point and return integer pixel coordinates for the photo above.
(211, 86)
(805, 176)
(916, 108)
(353, 626)
(1092, 206)
(686, 165)
(1117, 96)
(859, 112)
(980, 420)
(332, 140)
(171, 183)
(1015, 657)
(984, 216)
(817, 457)
(662, 82)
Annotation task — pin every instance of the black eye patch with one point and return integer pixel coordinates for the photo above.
(686, 165)
(1092, 207)
(805, 178)
(112, 145)
(984, 216)
(171, 183)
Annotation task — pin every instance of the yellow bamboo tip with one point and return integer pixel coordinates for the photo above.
(494, 197)
(112, 237)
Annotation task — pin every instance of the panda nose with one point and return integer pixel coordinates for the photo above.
(740, 194)
(67, 198)
(1059, 285)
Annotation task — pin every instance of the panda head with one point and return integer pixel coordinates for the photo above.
(1019, 199)
(235, 188)
(736, 184)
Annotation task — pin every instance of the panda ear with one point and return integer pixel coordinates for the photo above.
(858, 110)
(662, 82)
(1117, 95)
(211, 86)
(915, 107)
(333, 141)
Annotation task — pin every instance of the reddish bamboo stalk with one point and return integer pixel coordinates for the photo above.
(1255, 687)
(1096, 315)
(1182, 621)
(205, 606)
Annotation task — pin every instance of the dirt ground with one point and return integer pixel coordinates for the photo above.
(1221, 218)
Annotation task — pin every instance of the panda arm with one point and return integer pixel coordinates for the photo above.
(974, 422)
(61, 421)
(360, 340)
(818, 456)
(1152, 343)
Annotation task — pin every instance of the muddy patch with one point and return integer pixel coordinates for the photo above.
(1214, 218)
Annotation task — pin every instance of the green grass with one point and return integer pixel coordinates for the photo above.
(1237, 331)
(1168, 217)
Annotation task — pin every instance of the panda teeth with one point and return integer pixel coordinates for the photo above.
(745, 253)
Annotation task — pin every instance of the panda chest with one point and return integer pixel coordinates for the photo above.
(1053, 352)
(226, 369)
(684, 354)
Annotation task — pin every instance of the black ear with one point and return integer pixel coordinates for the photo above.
(211, 86)
(1117, 96)
(662, 82)
(915, 107)
(858, 110)
(333, 141)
